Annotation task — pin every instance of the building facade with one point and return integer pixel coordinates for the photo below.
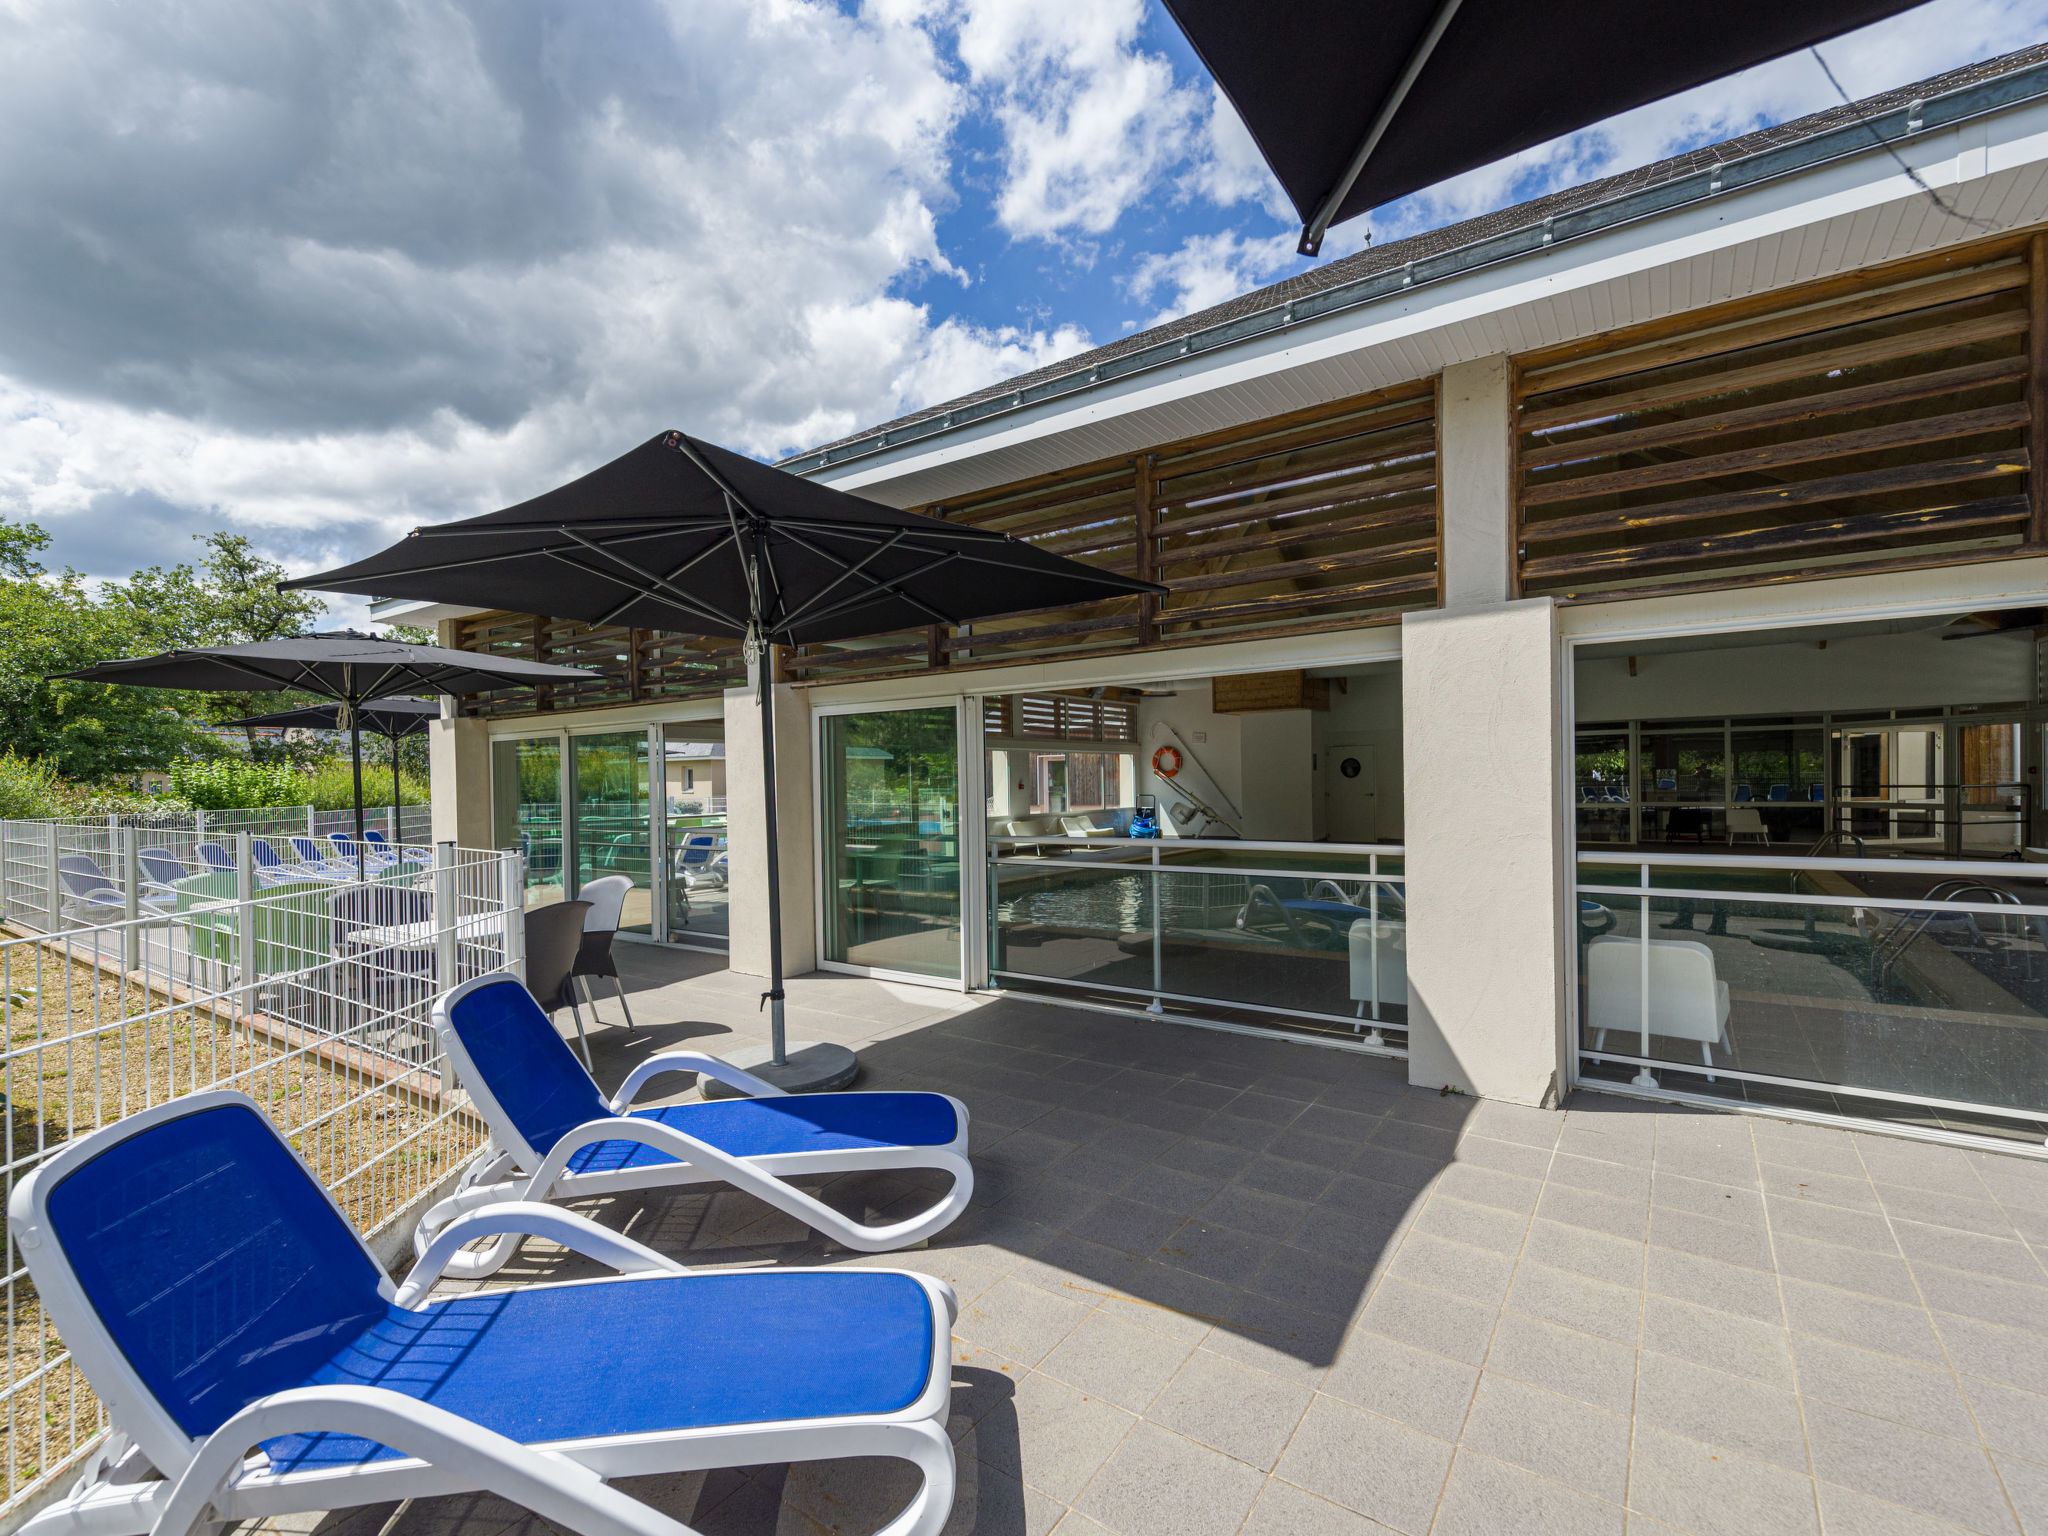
(1598, 636)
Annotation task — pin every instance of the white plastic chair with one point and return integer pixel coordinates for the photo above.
(1687, 1001)
(1747, 821)
(554, 1136)
(216, 1299)
(1392, 985)
(607, 898)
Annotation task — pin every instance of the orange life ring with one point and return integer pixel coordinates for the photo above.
(1166, 762)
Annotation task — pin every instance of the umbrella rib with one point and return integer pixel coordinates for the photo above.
(611, 614)
(846, 572)
(680, 598)
(1326, 210)
(892, 586)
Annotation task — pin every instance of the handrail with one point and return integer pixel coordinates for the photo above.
(1891, 947)
(1836, 837)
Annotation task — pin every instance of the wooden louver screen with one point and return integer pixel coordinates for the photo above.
(1059, 717)
(1321, 519)
(1880, 422)
(627, 666)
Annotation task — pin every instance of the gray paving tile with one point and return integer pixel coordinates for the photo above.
(1283, 1340)
(1849, 1318)
(1129, 1225)
(1368, 1241)
(1274, 1175)
(1512, 1157)
(1162, 1484)
(1285, 1510)
(1710, 1283)
(1734, 1411)
(1020, 1321)
(1219, 1252)
(1817, 1149)
(1722, 1202)
(1305, 1279)
(1806, 1186)
(2015, 1356)
(1211, 1159)
(2002, 1258)
(1618, 1261)
(1116, 1360)
(1850, 1269)
(1250, 1210)
(1721, 1341)
(1559, 1438)
(1429, 1391)
(1920, 1396)
(1171, 1300)
(1173, 1189)
(1051, 1437)
(2011, 1420)
(1950, 1479)
(1383, 1470)
(1573, 1301)
(1487, 1498)
(1983, 1297)
(1490, 1187)
(1232, 1408)
(1844, 1512)
(1514, 1122)
(1564, 1361)
(1867, 1230)
(1702, 1236)
(1938, 1208)
(1919, 1165)
(1628, 1219)
(2026, 1483)
(1476, 1226)
(1712, 1491)
(1432, 1320)
(1478, 1273)
(1621, 1181)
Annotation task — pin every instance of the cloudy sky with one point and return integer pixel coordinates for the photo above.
(320, 272)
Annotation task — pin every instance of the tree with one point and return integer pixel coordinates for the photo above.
(230, 598)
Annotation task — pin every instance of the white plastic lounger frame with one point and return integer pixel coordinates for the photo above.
(151, 1476)
(509, 1167)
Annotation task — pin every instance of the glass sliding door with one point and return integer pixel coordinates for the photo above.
(526, 810)
(693, 755)
(891, 810)
(612, 829)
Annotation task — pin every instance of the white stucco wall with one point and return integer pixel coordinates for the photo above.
(747, 876)
(1475, 438)
(459, 769)
(1486, 851)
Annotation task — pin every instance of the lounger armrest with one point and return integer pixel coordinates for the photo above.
(552, 1486)
(530, 1218)
(691, 1061)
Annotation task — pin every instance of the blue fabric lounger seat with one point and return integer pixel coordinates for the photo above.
(211, 1290)
(554, 1135)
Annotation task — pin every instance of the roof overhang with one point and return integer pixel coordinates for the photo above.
(1808, 210)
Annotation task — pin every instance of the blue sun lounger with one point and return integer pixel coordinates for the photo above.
(555, 1136)
(216, 1299)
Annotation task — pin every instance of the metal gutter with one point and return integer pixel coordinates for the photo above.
(1914, 121)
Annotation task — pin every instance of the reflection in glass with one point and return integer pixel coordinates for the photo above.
(614, 820)
(892, 840)
(526, 810)
(695, 889)
(1601, 780)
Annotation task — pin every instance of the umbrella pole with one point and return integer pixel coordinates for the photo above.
(773, 996)
(397, 795)
(355, 753)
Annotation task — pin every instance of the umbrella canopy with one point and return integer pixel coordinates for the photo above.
(347, 667)
(1356, 105)
(665, 537)
(393, 719)
(684, 535)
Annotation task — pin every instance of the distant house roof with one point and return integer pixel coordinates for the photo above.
(1936, 102)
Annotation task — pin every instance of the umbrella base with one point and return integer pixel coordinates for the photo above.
(814, 1066)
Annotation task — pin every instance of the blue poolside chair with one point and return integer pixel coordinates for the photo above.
(555, 1136)
(1816, 791)
(698, 860)
(215, 856)
(162, 870)
(312, 862)
(345, 852)
(92, 897)
(216, 1299)
(1781, 792)
(1742, 793)
(382, 846)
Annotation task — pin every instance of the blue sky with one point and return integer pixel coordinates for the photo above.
(321, 273)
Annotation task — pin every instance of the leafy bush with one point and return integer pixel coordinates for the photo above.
(331, 786)
(31, 788)
(231, 783)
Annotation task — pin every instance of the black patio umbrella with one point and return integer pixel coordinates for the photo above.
(342, 665)
(393, 719)
(1356, 105)
(683, 535)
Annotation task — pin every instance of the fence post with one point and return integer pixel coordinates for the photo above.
(53, 886)
(245, 919)
(513, 899)
(5, 887)
(312, 822)
(447, 933)
(131, 899)
(198, 827)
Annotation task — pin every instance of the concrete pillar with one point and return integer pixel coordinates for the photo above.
(1009, 787)
(1487, 848)
(747, 874)
(459, 769)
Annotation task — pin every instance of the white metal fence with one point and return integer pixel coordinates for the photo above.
(308, 990)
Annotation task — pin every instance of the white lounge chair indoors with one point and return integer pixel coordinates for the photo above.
(555, 1136)
(1687, 1001)
(217, 1300)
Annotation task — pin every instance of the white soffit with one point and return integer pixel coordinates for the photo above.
(1851, 213)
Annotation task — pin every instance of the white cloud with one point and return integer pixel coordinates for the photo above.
(324, 275)
(1091, 123)
(1209, 269)
(1921, 42)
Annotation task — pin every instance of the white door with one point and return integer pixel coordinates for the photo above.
(1351, 788)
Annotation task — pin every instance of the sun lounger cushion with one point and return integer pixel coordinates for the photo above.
(558, 1363)
(799, 1123)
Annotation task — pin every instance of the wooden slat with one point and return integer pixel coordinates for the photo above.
(1406, 517)
(1280, 473)
(1794, 493)
(1378, 588)
(1984, 328)
(1919, 560)
(1382, 554)
(1780, 413)
(1145, 517)
(1297, 429)
(2037, 386)
(1326, 499)
(1894, 434)
(1784, 326)
(1762, 543)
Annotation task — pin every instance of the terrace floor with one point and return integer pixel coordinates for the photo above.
(1220, 1286)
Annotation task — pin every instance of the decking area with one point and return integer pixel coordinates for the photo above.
(1215, 1284)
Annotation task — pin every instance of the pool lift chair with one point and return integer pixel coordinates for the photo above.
(554, 1135)
(217, 1300)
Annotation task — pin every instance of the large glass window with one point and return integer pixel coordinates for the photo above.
(892, 840)
(526, 810)
(614, 820)
(694, 753)
(1601, 778)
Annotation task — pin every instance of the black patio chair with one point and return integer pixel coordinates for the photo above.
(554, 938)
